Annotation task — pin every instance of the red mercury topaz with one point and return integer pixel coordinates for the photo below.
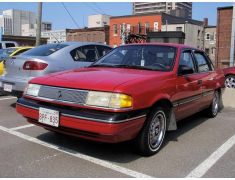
(136, 92)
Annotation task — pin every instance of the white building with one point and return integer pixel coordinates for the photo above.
(55, 36)
(21, 23)
(98, 20)
(6, 24)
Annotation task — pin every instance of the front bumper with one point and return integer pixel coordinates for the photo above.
(18, 85)
(90, 124)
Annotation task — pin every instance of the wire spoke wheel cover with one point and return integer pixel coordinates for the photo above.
(157, 130)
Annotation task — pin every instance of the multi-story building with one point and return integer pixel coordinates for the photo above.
(55, 36)
(224, 36)
(100, 35)
(210, 42)
(180, 9)
(98, 20)
(21, 23)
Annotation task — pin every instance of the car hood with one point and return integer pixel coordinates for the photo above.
(102, 79)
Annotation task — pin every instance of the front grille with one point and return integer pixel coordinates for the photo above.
(63, 94)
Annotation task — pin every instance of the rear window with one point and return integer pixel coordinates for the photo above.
(8, 45)
(44, 50)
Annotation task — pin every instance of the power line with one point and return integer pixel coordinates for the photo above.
(96, 5)
(70, 15)
(88, 5)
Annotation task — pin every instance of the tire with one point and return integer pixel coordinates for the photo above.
(150, 139)
(230, 81)
(213, 110)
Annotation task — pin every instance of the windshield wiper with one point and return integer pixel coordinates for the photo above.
(134, 67)
(101, 65)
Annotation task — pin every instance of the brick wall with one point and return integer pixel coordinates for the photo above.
(223, 36)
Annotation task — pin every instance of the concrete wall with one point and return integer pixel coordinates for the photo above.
(228, 98)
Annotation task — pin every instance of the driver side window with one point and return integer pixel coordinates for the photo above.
(186, 62)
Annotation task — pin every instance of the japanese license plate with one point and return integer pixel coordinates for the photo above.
(7, 87)
(49, 117)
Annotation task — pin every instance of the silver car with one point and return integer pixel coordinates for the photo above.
(47, 59)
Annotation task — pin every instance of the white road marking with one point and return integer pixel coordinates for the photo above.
(202, 168)
(22, 127)
(1, 99)
(97, 161)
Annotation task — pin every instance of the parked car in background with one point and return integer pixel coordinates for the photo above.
(135, 92)
(229, 77)
(46, 59)
(10, 53)
(8, 44)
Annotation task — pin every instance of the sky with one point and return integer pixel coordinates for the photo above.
(56, 13)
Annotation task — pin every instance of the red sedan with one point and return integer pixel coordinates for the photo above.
(136, 92)
(229, 77)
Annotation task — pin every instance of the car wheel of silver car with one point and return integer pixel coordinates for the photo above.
(152, 135)
(213, 110)
(230, 81)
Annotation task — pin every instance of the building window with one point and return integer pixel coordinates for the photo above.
(178, 28)
(128, 28)
(139, 28)
(115, 30)
(147, 27)
(207, 36)
(155, 25)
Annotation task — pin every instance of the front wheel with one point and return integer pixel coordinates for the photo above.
(230, 81)
(150, 139)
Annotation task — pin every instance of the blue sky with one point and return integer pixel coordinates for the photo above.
(55, 13)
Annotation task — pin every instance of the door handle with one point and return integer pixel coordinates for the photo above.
(199, 81)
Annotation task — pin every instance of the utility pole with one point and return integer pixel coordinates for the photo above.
(39, 22)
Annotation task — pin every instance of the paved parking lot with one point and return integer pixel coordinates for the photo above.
(201, 147)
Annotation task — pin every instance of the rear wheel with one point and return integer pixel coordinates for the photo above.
(150, 139)
(230, 81)
(213, 110)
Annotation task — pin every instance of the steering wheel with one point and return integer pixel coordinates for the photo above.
(159, 64)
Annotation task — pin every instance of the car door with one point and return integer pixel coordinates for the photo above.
(85, 55)
(188, 86)
(207, 76)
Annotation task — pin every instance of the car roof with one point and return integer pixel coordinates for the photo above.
(82, 43)
(165, 44)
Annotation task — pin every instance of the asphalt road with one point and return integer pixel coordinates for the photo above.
(201, 147)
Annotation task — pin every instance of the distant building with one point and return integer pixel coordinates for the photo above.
(210, 42)
(180, 9)
(98, 20)
(135, 24)
(21, 23)
(55, 36)
(223, 36)
(100, 35)
(23, 40)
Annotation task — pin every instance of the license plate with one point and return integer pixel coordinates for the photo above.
(49, 117)
(7, 87)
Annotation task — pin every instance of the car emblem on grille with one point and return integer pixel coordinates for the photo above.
(59, 95)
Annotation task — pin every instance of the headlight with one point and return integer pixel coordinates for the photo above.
(32, 90)
(108, 100)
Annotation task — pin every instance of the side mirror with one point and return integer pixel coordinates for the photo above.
(184, 70)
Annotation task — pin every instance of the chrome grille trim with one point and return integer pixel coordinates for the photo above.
(73, 96)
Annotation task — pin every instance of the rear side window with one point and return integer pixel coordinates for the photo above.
(44, 50)
(21, 51)
(103, 50)
(85, 54)
(8, 45)
(0, 45)
(202, 62)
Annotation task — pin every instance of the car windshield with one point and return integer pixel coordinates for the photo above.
(44, 50)
(149, 57)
